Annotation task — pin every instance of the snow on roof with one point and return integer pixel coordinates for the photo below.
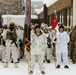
(19, 16)
(49, 3)
(46, 1)
(36, 0)
(38, 11)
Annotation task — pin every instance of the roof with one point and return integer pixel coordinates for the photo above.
(51, 2)
(19, 16)
(38, 11)
(48, 4)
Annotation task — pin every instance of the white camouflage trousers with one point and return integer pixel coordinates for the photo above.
(2, 52)
(11, 49)
(39, 59)
(48, 53)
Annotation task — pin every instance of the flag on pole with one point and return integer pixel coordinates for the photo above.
(1, 21)
(29, 16)
(55, 27)
(1, 24)
(27, 29)
(28, 12)
(55, 23)
(27, 20)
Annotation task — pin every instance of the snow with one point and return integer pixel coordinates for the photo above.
(49, 69)
(17, 19)
(51, 2)
(38, 11)
(48, 4)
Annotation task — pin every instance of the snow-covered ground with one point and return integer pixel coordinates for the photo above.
(49, 69)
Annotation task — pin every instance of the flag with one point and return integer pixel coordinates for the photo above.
(27, 21)
(29, 15)
(55, 23)
(1, 22)
(28, 12)
(27, 29)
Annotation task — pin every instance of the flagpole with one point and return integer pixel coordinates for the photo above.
(29, 20)
(55, 49)
(27, 28)
(55, 43)
(54, 27)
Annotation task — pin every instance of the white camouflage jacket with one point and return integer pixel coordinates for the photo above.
(38, 44)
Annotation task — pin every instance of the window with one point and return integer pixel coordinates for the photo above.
(71, 16)
(67, 17)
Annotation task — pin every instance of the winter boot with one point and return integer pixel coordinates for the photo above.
(73, 61)
(58, 66)
(66, 67)
(48, 61)
(15, 65)
(42, 72)
(31, 72)
(5, 65)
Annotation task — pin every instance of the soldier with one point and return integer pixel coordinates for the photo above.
(19, 31)
(11, 46)
(32, 31)
(52, 33)
(73, 45)
(62, 39)
(2, 46)
(5, 28)
(21, 42)
(48, 50)
(38, 42)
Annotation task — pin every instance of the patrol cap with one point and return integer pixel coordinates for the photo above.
(12, 24)
(37, 27)
(61, 26)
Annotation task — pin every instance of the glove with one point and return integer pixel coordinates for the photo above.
(1, 36)
(55, 39)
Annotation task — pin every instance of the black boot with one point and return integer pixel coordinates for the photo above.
(43, 61)
(42, 72)
(31, 72)
(12, 61)
(73, 61)
(48, 61)
(58, 66)
(66, 67)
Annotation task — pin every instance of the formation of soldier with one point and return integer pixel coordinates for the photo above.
(43, 43)
(58, 45)
(11, 44)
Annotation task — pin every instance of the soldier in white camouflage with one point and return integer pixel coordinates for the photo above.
(38, 42)
(11, 47)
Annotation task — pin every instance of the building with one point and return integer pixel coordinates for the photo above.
(65, 10)
(14, 7)
(17, 19)
(35, 4)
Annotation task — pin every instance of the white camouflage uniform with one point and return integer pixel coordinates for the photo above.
(38, 45)
(11, 49)
(48, 51)
(2, 49)
(2, 52)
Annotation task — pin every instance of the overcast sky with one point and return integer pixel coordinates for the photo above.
(44, 1)
(41, 0)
